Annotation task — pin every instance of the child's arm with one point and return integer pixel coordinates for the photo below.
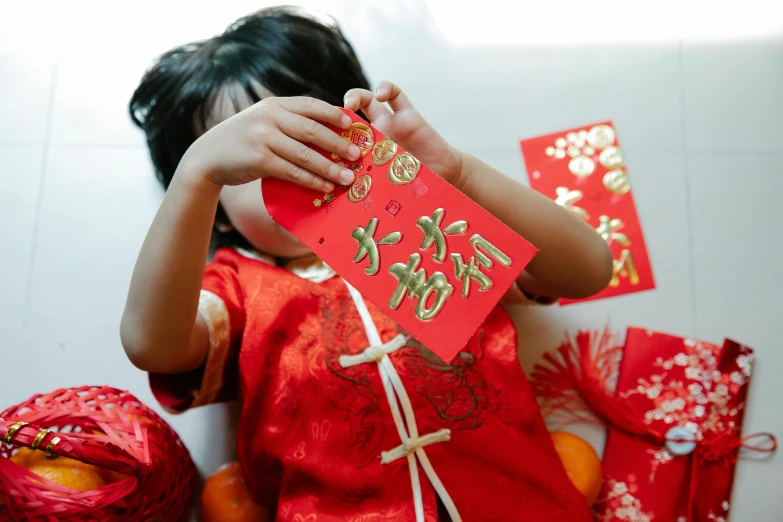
(573, 261)
(161, 330)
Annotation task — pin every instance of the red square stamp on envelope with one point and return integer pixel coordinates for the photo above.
(420, 250)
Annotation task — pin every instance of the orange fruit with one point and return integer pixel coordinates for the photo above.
(581, 463)
(80, 477)
(225, 498)
(64, 471)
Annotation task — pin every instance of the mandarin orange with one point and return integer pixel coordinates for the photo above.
(225, 498)
(581, 463)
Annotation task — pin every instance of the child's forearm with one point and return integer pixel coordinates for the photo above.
(573, 261)
(160, 329)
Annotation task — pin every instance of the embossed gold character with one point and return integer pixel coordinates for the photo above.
(600, 136)
(608, 230)
(612, 158)
(414, 282)
(616, 181)
(384, 151)
(472, 269)
(360, 188)
(404, 169)
(360, 135)
(624, 267)
(369, 248)
(566, 199)
(433, 233)
(581, 166)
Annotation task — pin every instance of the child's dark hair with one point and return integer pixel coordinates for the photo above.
(283, 49)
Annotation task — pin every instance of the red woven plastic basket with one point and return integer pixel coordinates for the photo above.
(101, 426)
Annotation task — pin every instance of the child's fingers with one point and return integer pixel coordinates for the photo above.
(317, 110)
(364, 100)
(310, 131)
(392, 94)
(283, 169)
(311, 161)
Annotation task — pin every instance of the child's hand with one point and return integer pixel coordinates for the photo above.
(268, 139)
(406, 126)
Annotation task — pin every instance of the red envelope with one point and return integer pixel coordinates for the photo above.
(689, 384)
(420, 250)
(674, 419)
(583, 170)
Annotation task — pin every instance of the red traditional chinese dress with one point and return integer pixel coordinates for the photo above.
(345, 418)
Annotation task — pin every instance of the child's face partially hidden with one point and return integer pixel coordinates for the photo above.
(244, 204)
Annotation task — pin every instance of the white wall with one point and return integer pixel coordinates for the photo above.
(695, 91)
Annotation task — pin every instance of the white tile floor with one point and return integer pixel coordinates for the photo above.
(698, 107)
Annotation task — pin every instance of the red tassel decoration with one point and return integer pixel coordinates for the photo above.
(576, 384)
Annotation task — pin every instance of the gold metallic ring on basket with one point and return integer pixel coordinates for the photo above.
(12, 431)
(51, 446)
(38, 438)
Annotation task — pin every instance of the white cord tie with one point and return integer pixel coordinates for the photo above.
(412, 445)
(373, 353)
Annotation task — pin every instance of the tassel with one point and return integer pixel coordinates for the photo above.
(576, 384)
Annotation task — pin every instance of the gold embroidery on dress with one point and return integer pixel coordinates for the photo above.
(215, 314)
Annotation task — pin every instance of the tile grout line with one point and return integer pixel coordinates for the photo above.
(39, 200)
(688, 206)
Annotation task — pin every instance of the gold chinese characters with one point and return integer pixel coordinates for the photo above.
(624, 267)
(566, 199)
(600, 136)
(616, 181)
(360, 135)
(360, 188)
(404, 169)
(384, 151)
(612, 158)
(581, 166)
(369, 248)
(430, 292)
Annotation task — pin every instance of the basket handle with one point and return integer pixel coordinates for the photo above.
(102, 454)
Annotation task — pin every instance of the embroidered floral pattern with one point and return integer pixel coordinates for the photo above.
(700, 400)
(661, 456)
(621, 503)
(720, 518)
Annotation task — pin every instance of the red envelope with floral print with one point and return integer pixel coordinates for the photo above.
(420, 250)
(675, 382)
(583, 169)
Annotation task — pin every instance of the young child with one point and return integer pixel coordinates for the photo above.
(321, 437)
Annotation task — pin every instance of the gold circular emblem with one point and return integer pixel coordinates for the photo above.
(581, 166)
(612, 158)
(600, 136)
(616, 181)
(404, 169)
(360, 135)
(360, 188)
(384, 151)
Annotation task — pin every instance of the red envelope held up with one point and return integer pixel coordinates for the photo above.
(420, 250)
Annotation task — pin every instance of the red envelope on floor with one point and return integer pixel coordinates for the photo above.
(420, 250)
(583, 169)
(684, 384)
(674, 419)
